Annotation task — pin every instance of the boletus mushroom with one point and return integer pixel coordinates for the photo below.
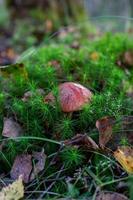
(72, 96)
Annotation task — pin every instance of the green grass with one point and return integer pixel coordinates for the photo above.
(108, 82)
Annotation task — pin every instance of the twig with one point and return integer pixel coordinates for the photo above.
(52, 184)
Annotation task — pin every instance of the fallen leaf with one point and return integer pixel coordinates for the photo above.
(28, 166)
(72, 96)
(7, 56)
(48, 26)
(128, 58)
(14, 70)
(14, 191)
(82, 140)
(62, 34)
(94, 56)
(75, 45)
(110, 196)
(29, 94)
(72, 29)
(11, 128)
(125, 60)
(38, 163)
(124, 155)
(50, 98)
(104, 126)
(22, 166)
(55, 64)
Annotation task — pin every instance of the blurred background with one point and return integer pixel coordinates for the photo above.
(24, 24)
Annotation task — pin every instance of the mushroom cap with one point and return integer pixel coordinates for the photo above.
(72, 96)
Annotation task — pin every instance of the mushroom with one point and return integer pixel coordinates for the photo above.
(72, 96)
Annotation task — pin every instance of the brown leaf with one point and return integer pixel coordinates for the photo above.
(110, 196)
(14, 191)
(72, 96)
(29, 94)
(83, 140)
(7, 56)
(94, 56)
(48, 25)
(38, 163)
(62, 34)
(11, 128)
(126, 59)
(56, 65)
(22, 166)
(124, 155)
(50, 98)
(12, 71)
(75, 45)
(104, 126)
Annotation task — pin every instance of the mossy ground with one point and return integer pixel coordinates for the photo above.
(103, 77)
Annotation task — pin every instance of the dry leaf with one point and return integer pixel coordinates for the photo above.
(128, 58)
(125, 60)
(83, 140)
(11, 128)
(94, 56)
(56, 65)
(29, 94)
(14, 70)
(39, 163)
(110, 196)
(72, 96)
(75, 45)
(104, 126)
(28, 166)
(14, 191)
(22, 166)
(50, 99)
(48, 25)
(124, 155)
(62, 34)
(7, 56)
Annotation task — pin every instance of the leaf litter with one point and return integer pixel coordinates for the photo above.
(14, 191)
(28, 166)
(11, 128)
(71, 100)
(104, 126)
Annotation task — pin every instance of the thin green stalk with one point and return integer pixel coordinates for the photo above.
(114, 181)
(97, 180)
(33, 138)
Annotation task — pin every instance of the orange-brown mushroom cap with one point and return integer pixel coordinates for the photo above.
(72, 96)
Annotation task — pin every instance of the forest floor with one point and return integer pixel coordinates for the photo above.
(66, 117)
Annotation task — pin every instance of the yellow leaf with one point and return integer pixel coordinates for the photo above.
(94, 56)
(13, 71)
(124, 155)
(14, 191)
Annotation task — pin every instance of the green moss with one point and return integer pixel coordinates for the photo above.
(108, 82)
(72, 157)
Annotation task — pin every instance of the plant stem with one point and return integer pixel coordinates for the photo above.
(33, 138)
